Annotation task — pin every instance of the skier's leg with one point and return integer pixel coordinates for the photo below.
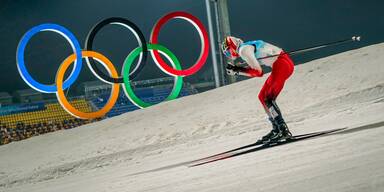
(263, 94)
(284, 132)
(279, 127)
(281, 71)
(264, 98)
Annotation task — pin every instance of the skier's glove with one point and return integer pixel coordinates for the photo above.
(246, 71)
(232, 70)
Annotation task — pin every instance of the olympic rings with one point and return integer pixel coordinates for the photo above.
(61, 95)
(204, 43)
(127, 65)
(113, 78)
(20, 57)
(139, 37)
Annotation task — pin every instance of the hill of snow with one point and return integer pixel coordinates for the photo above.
(341, 91)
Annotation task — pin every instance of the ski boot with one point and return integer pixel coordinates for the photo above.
(274, 134)
(283, 128)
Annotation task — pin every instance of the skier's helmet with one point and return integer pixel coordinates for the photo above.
(230, 46)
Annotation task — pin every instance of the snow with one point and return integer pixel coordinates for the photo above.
(144, 150)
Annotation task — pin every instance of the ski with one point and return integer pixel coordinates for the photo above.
(256, 147)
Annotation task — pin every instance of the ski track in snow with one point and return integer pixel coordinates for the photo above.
(145, 150)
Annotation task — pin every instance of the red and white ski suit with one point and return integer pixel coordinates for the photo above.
(282, 66)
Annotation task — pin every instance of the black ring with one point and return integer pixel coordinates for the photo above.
(91, 37)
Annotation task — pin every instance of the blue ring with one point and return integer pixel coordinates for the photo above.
(20, 57)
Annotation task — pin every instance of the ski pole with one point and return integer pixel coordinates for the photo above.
(354, 38)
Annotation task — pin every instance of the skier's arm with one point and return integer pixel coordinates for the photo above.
(254, 69)
(244, 71)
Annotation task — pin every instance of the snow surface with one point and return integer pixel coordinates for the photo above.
(144, 150)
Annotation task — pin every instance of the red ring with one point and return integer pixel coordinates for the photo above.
(203, 35)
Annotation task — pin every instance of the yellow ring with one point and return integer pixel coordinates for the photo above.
(60, 92)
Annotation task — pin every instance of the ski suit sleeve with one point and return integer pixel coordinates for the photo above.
(254, 69)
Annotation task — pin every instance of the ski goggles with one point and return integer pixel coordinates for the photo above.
(230, 53)
(227, 53)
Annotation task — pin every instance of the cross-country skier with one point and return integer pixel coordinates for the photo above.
(282, 68)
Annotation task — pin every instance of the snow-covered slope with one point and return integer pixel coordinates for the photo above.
(344, 90)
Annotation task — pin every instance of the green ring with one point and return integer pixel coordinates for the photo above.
(127, 66)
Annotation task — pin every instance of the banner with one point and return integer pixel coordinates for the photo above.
(21, 108)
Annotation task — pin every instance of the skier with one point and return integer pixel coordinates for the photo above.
(282, 68)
